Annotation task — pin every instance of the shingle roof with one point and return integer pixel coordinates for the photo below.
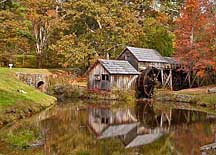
(146, 55)
(170, 60)
(118, 67)
(118, 130)
(144, 139)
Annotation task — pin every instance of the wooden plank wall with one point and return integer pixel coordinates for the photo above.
(130, 58)
(92, 83)
(122, 81)
(116, 81)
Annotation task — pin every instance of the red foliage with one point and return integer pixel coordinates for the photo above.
(195, 36)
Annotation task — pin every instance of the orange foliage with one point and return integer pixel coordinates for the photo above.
(195, 33)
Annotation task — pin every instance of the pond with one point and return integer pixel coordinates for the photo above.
(144, 128)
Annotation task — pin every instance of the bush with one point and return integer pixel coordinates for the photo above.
(125, 95)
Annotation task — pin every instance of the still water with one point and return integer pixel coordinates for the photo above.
(90, 128)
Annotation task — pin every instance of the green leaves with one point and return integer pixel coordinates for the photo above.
(71, 52)
(59, 33)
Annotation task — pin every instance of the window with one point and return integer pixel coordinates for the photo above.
(105, 77)
(97, 77)
(104, 120)
(107, 120)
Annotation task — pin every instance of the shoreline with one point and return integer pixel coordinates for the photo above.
(197, 96)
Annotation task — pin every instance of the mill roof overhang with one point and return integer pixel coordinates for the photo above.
(145, 54)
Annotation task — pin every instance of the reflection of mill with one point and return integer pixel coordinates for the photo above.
(171, 118)
(142, 126)
(106, 123)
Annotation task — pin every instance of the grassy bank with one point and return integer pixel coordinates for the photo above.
(199, 96)
(15, 105)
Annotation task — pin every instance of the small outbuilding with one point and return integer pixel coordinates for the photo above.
(109, 74)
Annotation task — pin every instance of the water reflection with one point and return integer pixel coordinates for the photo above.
(142, 125)
(142, 129)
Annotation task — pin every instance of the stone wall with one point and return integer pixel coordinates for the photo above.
(39, 81)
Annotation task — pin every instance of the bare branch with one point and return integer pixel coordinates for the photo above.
(3, 1)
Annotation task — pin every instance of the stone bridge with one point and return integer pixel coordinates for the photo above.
(39, 81)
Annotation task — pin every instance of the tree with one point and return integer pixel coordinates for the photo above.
(15, 36)
(157, 36)
(104, 26)
(71, 52)
(193, 48)
(45, 19)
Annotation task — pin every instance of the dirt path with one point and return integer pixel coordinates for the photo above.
(200, 90)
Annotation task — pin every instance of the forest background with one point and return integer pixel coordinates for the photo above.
(74, 33)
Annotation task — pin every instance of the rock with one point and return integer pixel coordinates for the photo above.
(59, 89)
(60, 98)
(212, 90)
(21, 91)
(184, 98)
(38, 143)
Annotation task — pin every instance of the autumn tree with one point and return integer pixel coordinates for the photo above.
(15, 36)
(101, 28)
(45, 19)
(193, 43)
(71, 52)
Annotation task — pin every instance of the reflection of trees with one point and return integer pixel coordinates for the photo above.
(163, 146)
(188, 129)
(62, 128)
(168, 118)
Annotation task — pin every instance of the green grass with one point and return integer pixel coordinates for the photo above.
(21, 135)
(9, 86)
(21, 139)
(199, 97)
(207, 99)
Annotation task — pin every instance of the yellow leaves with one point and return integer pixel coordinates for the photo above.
(51, 13)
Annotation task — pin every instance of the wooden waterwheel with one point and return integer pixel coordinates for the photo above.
(146, 82)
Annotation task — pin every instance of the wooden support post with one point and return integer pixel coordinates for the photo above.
(161, 120)
(171, 82)
(167, 80)
(162, 77)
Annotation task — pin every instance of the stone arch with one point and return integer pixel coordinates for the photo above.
(40, 83)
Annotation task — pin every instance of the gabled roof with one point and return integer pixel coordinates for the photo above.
(144, 139)
(146, 55)
(118, 67)
(118, 130)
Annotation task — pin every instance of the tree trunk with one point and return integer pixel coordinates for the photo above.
(39, 60)
(40, 33)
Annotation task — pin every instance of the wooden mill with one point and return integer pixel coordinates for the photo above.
(154, 68)
(135, 68)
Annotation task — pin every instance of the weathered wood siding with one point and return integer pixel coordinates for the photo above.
(124, 81)
(127, 55)
(98, 84)
(115, 81)
(142, 65)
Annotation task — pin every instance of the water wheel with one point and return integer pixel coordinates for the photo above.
(146, 82)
